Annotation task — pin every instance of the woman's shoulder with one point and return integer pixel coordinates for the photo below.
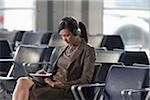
(89, 46)
(89, 49)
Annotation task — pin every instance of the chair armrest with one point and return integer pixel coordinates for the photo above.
(39, 63)
(80, 87)
(3, 72)
(128, 93)
(75, 92)
(47, 64)
(6, 78)
(6, 60)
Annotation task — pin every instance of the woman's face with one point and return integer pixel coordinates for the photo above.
(68, 37)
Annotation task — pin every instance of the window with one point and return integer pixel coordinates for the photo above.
(130, 19)
(17, 14)
(1, 14)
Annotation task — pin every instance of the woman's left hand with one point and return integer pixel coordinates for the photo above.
(55, 83)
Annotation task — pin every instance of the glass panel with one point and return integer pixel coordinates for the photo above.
(127, 4)
(19, 3)
(132, 22)
(19, 19)
(1, 14)
(1, 19)
(17, 14)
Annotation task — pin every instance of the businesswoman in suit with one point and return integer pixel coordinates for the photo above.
(74, 65)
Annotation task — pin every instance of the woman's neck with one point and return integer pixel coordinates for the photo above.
(77, 41)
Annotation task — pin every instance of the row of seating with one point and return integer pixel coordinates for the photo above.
(109, 42)
(53, 38)
(126, 57)
(122, 56)
(122, 83)
(33, 38)
(29, 54)
(101, 76)
(15, 38)
(37, 56)
(26, 55)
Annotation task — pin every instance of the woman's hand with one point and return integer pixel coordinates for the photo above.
(40, 71)
(56, 83)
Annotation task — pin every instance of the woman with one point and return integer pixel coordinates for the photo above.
(74, 65)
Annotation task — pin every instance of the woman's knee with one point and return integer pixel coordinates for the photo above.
(24, 82)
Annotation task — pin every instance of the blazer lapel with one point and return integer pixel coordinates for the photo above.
(76, 54)
(60, 53)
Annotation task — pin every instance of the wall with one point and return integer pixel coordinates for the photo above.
(50, 12)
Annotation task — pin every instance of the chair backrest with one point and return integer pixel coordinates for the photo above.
(53, 57)
(95, 40)
(35, 38)
(108, 56)
(112, 42)
(5, 49)
(120, 78)
(8, 35)
(131, 57)
(17, 39)
(5, 53)
(46, 37)
(3, 29)
(56, 40)
(30, 54)
(19, 35)
(102, 71)
(90, 92)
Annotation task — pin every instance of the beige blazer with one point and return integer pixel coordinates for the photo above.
(81, 67)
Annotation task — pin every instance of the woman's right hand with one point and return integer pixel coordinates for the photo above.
(40, 71)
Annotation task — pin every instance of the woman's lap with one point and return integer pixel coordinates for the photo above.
(48, 93)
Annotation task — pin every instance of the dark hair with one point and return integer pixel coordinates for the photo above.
(83, 32)
(75, 28)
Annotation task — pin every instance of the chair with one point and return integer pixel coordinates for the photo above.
(53, 57)
(131, 57)
(30, 54)
(56, 40)
(5, 53)
(14, 37)
(100, 73)
(7, 35)
(3, 29)
(108, 55)
(112, 42)
(129, 94)
(17, 39)
(46, 37)
(95, 40)
(26, 54)
(35, 38)
(119, 78)
(19, 35)
(89, 92)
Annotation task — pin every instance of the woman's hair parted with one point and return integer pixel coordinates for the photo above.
(74, 27)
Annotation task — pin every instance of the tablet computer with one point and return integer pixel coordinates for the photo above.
(40, 75)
